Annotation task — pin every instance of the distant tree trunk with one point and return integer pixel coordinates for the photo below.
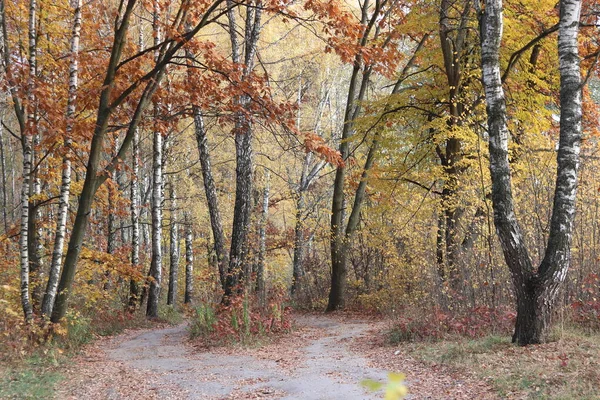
(453, 28)
(536, 290)
(111, 226)
(134, 288)
(4, 184)
(210, 191)
(262, 237)
(299, 244)
(65, 186)
(189, 259)
(243, 149)
(174, 251)
(308, 175)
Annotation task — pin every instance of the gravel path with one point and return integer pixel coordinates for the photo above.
(316, 363)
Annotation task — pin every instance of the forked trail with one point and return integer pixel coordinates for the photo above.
(325, 358)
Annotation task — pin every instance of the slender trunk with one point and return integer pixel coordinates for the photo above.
(111, 226)
(27, 144)
(189, 259)
(211, 195)
(155, 273)
(157, 201)
(299, 244)
(4, 185)
(134, 289)
(262, 249)
(65, 186)
(173, 250)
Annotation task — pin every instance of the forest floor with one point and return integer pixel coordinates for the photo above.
(325, 357)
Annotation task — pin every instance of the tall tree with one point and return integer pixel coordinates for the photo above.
(65, 186)
(243, 130)
(158, 157)
(536, 288)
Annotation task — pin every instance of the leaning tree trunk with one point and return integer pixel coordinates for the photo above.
(536, 290)
(65, 186)
(211, 194)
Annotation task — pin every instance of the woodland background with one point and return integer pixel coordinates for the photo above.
(206, 163)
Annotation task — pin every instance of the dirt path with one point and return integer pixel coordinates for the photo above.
(319, 361)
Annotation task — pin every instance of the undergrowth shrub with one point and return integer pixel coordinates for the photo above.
(414, 325)
(241, 321)
(586, 314)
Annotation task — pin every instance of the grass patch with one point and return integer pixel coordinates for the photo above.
(34, 377)
(566, 369)
(32, 356)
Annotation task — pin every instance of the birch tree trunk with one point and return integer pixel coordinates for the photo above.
(158, 148)
(27, 144)
(134, 290)
(536, 289)
(157, 201)
(65, 186)
(262, 237)
(189, 259)
(173, 250)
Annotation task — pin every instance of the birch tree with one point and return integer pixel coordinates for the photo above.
(65, 186)
(536, 289)
(158, 145)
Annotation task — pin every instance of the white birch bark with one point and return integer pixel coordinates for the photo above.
(135, 218)
(27, 145)
(536, 289)
(65, 187)
(262, 237)
(157, 199)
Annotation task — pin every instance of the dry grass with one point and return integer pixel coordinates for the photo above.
(568, 368)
